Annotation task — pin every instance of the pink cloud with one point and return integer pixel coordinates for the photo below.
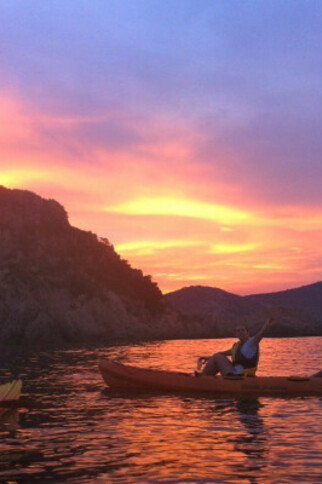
(118, 158)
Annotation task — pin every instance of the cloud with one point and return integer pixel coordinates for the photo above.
(149, 247)
(232, 248)
(187, 133)
(168, 206)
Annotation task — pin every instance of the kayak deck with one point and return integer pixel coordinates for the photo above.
(118, 375)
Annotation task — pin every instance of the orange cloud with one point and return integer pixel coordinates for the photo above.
(157, 204)
(181, 207)
(19, 178)
(232, 248)
(152, 246)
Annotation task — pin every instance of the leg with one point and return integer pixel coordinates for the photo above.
(218, 363)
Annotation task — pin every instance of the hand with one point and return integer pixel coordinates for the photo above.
(203, 359)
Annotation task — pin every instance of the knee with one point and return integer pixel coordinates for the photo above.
(213, 358)
(217, 357)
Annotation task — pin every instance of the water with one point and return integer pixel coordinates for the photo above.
(88, 433)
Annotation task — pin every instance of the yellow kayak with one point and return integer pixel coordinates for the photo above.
(125, 376)
(10, 390)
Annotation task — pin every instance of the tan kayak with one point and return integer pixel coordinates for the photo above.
(10, 390)
(117, 375)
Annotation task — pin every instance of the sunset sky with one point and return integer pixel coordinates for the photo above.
(186, 132)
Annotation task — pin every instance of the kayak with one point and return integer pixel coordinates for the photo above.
(9, 395)
(10, 391)
(118, 375)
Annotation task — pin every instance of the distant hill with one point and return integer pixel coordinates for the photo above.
(202, 300)
(308, 298)
(221, 310)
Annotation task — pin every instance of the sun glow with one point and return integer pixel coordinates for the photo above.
(18, 178)
(167, 206)
(151, 246)
(232, 248)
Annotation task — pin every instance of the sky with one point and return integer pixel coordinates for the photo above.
(186, 132)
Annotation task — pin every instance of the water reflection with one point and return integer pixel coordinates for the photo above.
(227, 434)
(238, 423)
(8, 419)
(88, 433)
(253, 443)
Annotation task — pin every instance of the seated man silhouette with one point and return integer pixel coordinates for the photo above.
(244, 354)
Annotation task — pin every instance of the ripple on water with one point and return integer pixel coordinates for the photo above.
(87, 433)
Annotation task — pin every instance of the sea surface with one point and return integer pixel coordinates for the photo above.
(85, 432)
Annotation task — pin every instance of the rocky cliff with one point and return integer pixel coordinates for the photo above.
(62, 287)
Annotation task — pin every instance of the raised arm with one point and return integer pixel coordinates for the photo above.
(259, 335)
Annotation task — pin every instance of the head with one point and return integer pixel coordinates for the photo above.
(242, 332)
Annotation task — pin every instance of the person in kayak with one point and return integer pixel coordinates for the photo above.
(244, 354)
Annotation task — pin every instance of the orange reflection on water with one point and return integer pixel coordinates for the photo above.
(85, 431)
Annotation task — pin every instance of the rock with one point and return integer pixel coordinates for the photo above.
(64, 287)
